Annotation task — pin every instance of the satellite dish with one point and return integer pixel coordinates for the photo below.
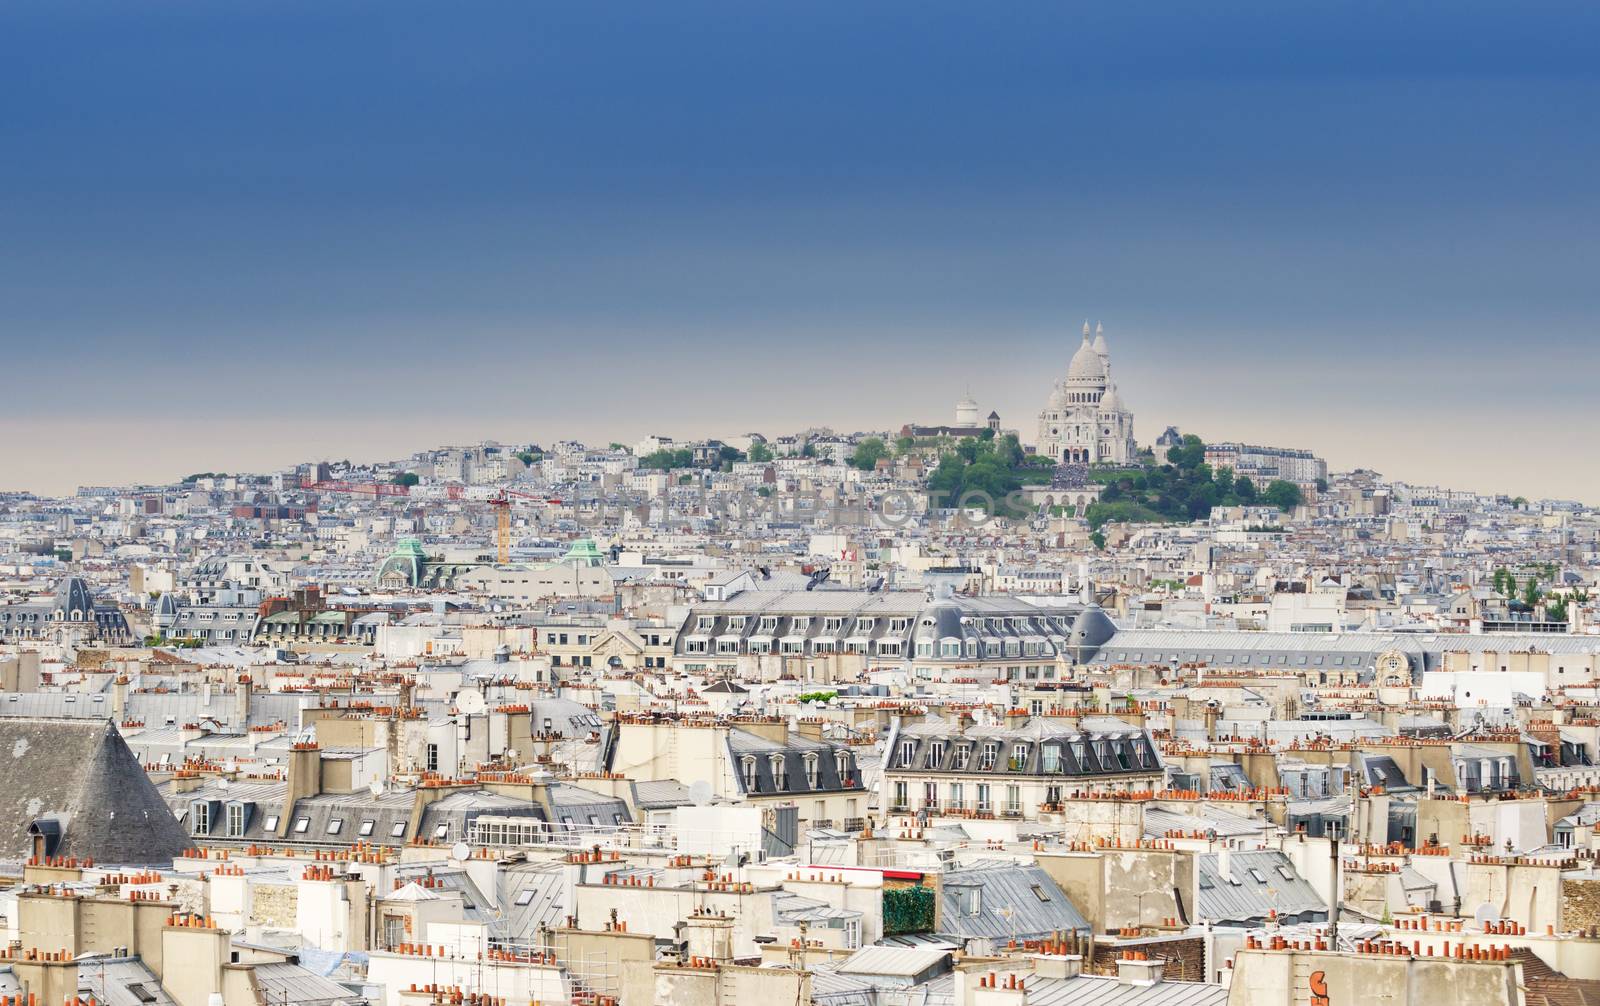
(1485, 913)
(375, 787)
(700, 792)
(222, 784)
(460, 851)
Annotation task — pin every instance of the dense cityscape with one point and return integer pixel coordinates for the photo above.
(982, 712)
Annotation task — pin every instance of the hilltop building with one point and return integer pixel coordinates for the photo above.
(1085, 422)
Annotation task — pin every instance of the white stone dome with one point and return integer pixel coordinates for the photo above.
(1058, 398)
(967, 412)
(1111, 401)
(1086, 366)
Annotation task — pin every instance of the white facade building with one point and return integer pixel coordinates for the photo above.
(1085, 421)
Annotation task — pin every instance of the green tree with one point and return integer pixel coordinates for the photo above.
(904, 445)
(867, 453)
(1009, 450)
(1531, 593)
(728, 455)
(527, 457)
(1282, 494)
(760, 452)
(1322, 485)
(666, 459)
(1245, 489)
(1223, 481)
(1099, 539)
(406, 479)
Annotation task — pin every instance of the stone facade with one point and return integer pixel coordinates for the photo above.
(1085, 422)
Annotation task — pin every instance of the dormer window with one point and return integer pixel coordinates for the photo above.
(1019, 756)
(751, 779)
(841, 763)
(991, 755)
(936, 754)
(908, 751)
(780, 772)
(200, 817)
(963, 756)
(813, 771)
(1050, 758)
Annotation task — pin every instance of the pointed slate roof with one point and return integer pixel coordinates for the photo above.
(78, 778)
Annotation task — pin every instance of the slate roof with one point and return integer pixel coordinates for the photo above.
(81, 774)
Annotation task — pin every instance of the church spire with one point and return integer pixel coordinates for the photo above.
(1086, 330)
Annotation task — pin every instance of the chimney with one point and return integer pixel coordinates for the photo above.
(1225, 865)
(305, 779)
(1058, 965)
(241, 702)
(1138, 972)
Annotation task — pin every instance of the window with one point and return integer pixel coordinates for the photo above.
(440, 831)
(1039, 892)
(433, 758)
(751, 779)
(936, 754)
(813, 771)
(366, 827)
(1050, 758)
(398, 830)
(335, 826)
(780, 772)
(991, 754)
(271, 824)
(235, 820)
(524, 899)
(199, 817)
(302, 825)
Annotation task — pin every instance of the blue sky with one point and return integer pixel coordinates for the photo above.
(238, 235)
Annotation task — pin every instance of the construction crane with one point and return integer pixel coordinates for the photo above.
(502, 501)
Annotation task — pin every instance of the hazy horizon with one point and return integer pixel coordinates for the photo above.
(237, 238)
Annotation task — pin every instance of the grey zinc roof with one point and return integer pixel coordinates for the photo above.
(82, 774)
(530, 895)
(1095, 990)
(897, 962)
(121, 981)
(1263, 881)
(1036, 906)
(291, 983)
